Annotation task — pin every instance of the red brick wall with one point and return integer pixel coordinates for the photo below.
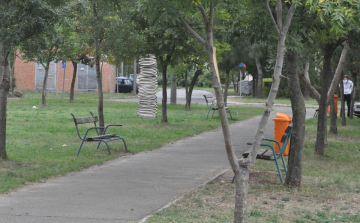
(25, 76)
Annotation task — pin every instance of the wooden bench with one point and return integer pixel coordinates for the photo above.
(98, 137)
(271, 154)
(213, 106)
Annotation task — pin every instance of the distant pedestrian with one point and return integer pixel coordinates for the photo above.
(348, 87)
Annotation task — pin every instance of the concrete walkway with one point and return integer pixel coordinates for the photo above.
(129, 188)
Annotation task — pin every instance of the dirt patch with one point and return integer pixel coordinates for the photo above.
(268, 201)
(312, 203)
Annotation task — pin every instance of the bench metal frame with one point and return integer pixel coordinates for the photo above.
(99, 137)
(273, 155)
(214, 106)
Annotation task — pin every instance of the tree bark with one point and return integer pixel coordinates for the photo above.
(97, 43)
(191, 88)
(333, 118)
(227, 82)
(173, 89)
(187, 104)
(294, 174)
(342, 111)
(328, 50)
(353, 93)
(43, 95)
(164, 93)
(4, 91)
(134, 78)
(72, 89)
(306, 75)
(260, 77)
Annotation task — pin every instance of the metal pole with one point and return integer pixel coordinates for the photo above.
(57, 79)
(240, 85)
(62, 96)
(116, 81)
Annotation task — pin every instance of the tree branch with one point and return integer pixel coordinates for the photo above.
(306, 26)
(193, 32)
(308, 86)
(339, 70)
(272, 17)
(279, 14)
(210, 25)
(203, 13)
(289, 17)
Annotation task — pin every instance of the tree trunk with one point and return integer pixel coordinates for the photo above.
(97, 43)
(4, 91)
(241, 167)
(351, 116)
(322, 117)
(187, 104)
(191, 87)
(43, 95)
(72, 89)
(134, 78)
(99, 83)
(235, 84)
(342, 110)
(173, 89)
(227, 82)
(260, 78)
(294, 174)
(333, 118)
(306, 75)
(164, 94)
(11, 75)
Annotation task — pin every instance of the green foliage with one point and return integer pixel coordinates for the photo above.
(21, 20)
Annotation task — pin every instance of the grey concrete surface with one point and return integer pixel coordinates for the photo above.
(132, 187)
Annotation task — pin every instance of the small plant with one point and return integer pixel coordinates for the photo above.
(198, 201)
(299, 220)
(18, 94)
(279, 205)
(285, 199)
(255, 213)
(273, 218)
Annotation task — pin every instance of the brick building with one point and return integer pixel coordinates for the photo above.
(30, 76)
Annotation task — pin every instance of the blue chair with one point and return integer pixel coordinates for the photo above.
(271, 154)
(212, 106)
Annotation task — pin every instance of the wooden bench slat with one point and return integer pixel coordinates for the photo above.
(84, 120)
(101, 137)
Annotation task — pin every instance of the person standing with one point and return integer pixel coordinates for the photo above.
(348, 87)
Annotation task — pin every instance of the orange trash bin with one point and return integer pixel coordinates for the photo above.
(282, 121)
(336, 104)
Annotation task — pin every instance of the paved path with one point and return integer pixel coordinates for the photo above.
(129, 188)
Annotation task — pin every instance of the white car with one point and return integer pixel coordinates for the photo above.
(357, 109)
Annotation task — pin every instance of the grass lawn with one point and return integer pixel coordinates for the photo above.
(42, 142)
(330, 189)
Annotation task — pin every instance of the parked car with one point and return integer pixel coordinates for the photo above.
(125, 85)
(357, 109)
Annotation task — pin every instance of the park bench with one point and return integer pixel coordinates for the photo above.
(271, 154)
(98, 137)
(213, 106)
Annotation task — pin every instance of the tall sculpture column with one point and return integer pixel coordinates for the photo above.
(147, 106)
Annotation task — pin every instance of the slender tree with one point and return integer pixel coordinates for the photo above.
(20, 20)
